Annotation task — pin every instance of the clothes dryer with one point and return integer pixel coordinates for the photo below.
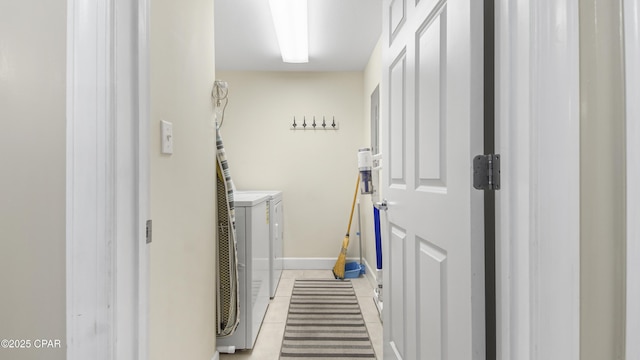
(252, 235)
(276, 235)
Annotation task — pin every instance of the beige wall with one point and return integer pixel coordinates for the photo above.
(316, 171)
(182, 262)
(32, 210)
(602, 181)
(32, 175)
(372, 78)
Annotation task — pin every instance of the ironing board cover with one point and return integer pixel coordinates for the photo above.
(228, 306)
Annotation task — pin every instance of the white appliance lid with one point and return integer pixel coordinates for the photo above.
(273, 194)
(248, 199)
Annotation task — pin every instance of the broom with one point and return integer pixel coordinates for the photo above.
(338, 268)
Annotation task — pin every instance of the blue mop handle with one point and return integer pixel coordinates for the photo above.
(376, 220)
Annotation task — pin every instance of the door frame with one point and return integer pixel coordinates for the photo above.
(94, 195)
(144, 171)
(538, 206)
(632, 83)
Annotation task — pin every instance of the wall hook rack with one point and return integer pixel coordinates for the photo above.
(314, 125)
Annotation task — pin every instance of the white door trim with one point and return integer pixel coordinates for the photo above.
(90, 196)
(144, 179)
(632, 79)
(538, 206)
(107, 87)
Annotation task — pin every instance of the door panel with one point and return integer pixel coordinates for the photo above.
(432, 282)
(395, 303)
(397, 133)
(432, 115)
(431, 86)
(397, 11)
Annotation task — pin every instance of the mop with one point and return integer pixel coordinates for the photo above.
(338, 268)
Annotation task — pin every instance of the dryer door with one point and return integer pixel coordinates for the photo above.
(277, 238)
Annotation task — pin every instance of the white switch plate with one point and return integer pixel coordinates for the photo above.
(167, 137)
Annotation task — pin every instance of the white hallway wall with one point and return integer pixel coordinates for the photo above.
(602, 123)
(182, 261)
(32, 209)
(32, 175)
(316, 170)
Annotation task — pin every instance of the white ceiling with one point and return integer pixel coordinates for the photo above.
(342, 35)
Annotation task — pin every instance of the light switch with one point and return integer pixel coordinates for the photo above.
(167, 137)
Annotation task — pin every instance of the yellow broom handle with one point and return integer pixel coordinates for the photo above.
(353, 206)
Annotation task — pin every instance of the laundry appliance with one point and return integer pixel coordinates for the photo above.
(252, 236)
(276, 235)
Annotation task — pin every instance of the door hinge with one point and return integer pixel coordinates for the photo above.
(149, 230)
(486, 172)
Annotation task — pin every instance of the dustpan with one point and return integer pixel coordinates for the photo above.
(353, 270)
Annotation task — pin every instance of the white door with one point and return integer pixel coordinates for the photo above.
(432, 128)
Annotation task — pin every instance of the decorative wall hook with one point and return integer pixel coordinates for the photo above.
(314, 125)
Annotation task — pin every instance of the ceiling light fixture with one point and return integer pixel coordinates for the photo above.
(290, 21)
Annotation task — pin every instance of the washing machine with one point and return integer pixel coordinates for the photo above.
(252, 237)
(276, 238)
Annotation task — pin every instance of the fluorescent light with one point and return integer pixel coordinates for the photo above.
(290, 21)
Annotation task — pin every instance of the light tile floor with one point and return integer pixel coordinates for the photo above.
(269, 340)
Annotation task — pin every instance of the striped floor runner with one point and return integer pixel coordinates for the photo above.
(325, 322)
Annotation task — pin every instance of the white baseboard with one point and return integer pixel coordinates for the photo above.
(311, 263)
(216, 356)
(370, 273)
(327, 264)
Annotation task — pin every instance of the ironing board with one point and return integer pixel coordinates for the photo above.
(228, 306)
